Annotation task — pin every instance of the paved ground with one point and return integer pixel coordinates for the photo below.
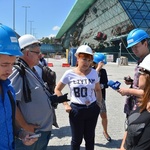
(61, 137)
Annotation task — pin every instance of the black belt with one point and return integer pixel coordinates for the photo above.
(83, 105)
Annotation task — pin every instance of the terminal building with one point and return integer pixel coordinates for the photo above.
(104, 25)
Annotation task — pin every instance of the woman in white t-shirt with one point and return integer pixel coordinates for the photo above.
(85, 93)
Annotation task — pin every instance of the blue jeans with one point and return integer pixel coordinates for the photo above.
(41, 144)
(83, 120)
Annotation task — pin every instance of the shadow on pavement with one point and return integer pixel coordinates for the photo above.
(64, 147)
(112, 144)
(61, 132)
(115, 144)
(66, 132)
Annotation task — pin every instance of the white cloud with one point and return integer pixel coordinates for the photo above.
(56, 28)
(51, 35)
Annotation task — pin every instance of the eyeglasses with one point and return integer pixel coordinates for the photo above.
(38, 53)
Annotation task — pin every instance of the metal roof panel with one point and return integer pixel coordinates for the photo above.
(76, 12)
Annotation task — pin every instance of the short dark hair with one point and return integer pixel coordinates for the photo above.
(143, 41)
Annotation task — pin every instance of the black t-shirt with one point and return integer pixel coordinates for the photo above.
(104, 81)
(138, 132)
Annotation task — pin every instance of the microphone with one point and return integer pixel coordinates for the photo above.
(114, 85)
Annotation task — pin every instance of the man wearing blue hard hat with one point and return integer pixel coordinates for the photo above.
(137, 40)
(9, 130)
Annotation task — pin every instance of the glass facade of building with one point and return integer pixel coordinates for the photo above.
(109, 19)
(138, 12)
(106, 23)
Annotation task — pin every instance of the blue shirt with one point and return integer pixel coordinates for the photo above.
(6, 129)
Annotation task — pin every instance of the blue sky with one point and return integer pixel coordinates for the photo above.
(45, 17)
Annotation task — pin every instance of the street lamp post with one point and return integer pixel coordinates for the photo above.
(26, 7)
(14, 15)
(34, 31)
(31, 26)
(120, 44)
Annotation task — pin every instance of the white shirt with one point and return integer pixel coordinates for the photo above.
(81, 87)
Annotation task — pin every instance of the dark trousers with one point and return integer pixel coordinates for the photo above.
(83, 120)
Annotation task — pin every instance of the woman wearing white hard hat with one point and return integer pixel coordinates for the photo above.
(86, 97)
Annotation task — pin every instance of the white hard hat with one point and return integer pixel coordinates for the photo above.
(145, 64)
(27, 40)
(84, 49)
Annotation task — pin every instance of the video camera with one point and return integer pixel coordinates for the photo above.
(128, 79)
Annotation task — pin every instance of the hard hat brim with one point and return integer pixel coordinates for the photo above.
(76, 54)
(144, 66)
(15, 53)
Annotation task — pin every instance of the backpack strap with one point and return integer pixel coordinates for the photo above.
(13, 107)
(48, 76)
(26, 90)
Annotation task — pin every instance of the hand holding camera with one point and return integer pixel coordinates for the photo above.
(128, 80)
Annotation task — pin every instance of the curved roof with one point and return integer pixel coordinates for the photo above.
(76, 12)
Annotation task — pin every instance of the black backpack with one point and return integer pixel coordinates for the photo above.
(49, 77)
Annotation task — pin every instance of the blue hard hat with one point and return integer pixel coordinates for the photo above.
(8, 42)
(98, 57)
(136, 36)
